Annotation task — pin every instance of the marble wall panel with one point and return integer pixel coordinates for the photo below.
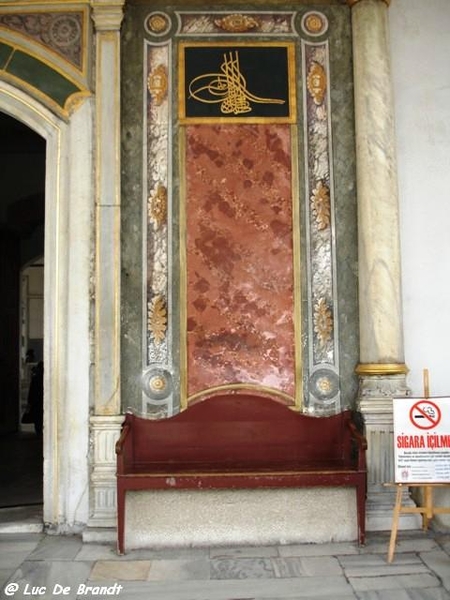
(239, 247)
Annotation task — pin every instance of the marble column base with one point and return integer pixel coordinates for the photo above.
(104, 433)
(375, 403)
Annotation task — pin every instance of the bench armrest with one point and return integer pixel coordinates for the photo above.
(361, 443)
(123, 449)
(122, 439)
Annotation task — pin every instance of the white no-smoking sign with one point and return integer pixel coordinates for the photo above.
(425, 414)
(422, 440)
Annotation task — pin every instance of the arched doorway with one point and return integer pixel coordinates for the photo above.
(22, 225)
(67, 250)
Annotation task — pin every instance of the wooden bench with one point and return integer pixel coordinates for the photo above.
(240, 441)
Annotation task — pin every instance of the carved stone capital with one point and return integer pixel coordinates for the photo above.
(376, 387)
(107, 14)
(352, 3)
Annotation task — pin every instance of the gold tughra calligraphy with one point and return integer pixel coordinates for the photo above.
(229, 88)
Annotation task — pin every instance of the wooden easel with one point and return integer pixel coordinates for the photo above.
(427, 509)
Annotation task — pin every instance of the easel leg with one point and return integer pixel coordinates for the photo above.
(427, 515)
(395, 520)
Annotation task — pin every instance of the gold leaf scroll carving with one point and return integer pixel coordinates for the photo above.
(157, 83)
(323, 321)
(321, 209)
(317, 82)
(157, 208)
(157, 318)
(237, 23)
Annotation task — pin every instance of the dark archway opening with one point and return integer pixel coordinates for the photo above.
(22, 229)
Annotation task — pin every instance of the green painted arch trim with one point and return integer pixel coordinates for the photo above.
(39, 76)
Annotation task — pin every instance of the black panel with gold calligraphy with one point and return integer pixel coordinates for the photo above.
(237, 82)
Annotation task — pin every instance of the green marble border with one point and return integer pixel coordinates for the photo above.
(35, 74)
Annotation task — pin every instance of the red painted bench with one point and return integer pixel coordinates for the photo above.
(240, 441)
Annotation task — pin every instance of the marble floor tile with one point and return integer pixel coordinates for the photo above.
(292, 566)
(394, 582)
(98, 552)
(60, 547)
(111, 570)
(321, 566)
(242, 568)
(306, 566)
(439, 562)
(408, 594)
(5, 575)
(179, 570)
(341, 548)
(166, 553)
(372, 565)
(334, 588)
(11, 557)
(47, 575)
(245, 552)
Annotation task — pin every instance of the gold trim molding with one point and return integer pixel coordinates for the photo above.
(352, 3)
(371, 369)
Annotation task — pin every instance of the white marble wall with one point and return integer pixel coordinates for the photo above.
(420, 46)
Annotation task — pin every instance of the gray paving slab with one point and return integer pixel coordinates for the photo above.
(332, 549)
(179, 570)
(333, 588)
(43, 579)
(439, 562)
(408, 594)
(244, 552)
(307, 566)
(334, 571)
(394, 582)
(373, 565)
(58, 547)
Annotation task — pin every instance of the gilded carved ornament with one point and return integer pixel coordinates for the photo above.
(157, 209)
(237, 23)
(317, 82)
(157, 83)
(157, 318)
(320, 201)
(314, 23)
(352, 3)
(158, 23)
(323, 321)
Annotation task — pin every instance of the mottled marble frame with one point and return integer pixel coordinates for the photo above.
(323, 321)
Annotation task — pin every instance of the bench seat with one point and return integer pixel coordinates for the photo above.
(240, 442)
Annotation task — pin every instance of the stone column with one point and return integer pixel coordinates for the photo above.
(382, 370)
(105, 423)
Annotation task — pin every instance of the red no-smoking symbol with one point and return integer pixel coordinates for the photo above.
(425, 414)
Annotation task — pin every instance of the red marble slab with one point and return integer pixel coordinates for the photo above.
(240, 288)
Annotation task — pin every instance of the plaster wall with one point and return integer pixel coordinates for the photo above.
(420, 47)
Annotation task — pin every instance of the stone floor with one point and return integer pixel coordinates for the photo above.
(46, 566)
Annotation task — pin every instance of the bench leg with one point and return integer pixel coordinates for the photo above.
(120, 520)
(361, 511)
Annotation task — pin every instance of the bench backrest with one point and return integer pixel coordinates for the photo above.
(233, 429)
